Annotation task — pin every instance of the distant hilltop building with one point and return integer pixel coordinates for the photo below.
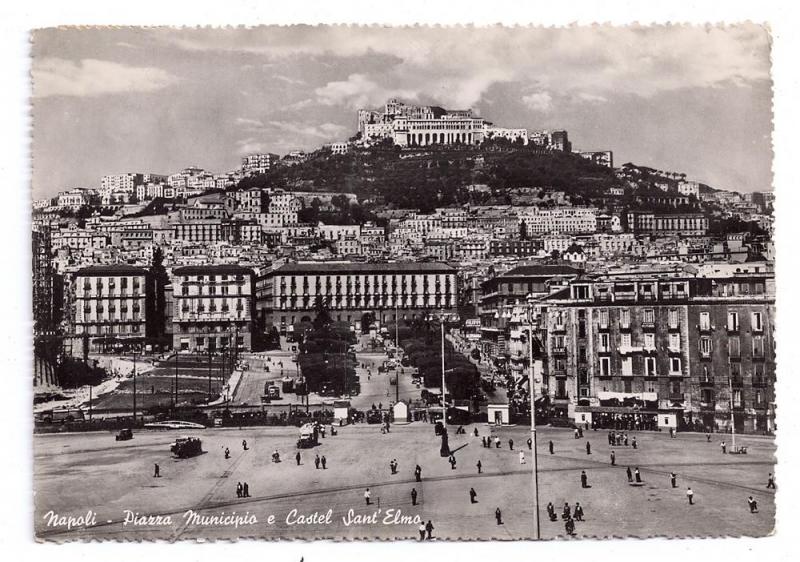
(413, 125)
(253, 164)
(603, 157)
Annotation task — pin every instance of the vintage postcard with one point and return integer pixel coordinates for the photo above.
(412, 283)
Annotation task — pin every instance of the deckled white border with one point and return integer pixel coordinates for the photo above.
(15, 21)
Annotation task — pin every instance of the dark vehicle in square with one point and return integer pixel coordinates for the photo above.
(308, 436)
(327, 389)
(272, 391)
(374, 416)
(185, 447)
(124, 435)
(287, 385)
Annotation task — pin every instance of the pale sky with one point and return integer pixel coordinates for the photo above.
(689, 99)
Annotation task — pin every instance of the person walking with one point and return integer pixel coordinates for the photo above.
(690, 495)
(316, 461)
(422, 531)
(156, 471)
(511, 444)
(429, 529)
(569, 526)
(724, 448)
(483, 441)
(613, 458)
(566, 512)
(244, 444)
(497, 442)
(530, 443)
(418, 473)
(633, 443)
(479, 465)
(578, 512)
(413, 496)
(673, 479)
(522, 457)
(324, 462)
(638, 475)
(297, 458)
(498, 516)
(576, 433)
(239, 490)
(452, 462)
(770, 481)
(473, 495)
(245, 490)
(753, 504)
(368, 496)
(630, 474)
(584, 479)
(551, 447)
(551, 511)
(588, 448)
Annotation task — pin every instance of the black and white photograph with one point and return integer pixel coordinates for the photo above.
(429, 283)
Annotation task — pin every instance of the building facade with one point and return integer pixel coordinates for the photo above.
(352, 290)
(212, 307)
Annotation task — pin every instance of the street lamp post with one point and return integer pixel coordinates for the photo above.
(175, 402)
(134, 386)
(536, 524)
(444, 391)
(209, 375)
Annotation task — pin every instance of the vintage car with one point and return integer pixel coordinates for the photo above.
(185, 447)
(308, 436)
(124, 435)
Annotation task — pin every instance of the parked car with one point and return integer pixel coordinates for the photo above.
(124, 435)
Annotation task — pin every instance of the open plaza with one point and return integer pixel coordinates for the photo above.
(89, 485)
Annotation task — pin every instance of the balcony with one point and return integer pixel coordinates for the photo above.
(705, 328)
(673, 328)
(707, 405)
(706, 383)
(559, 328)
(648, 325)
(624, 326)
(737, 382)
(676, 397)
(559, 373)
(732, 328)
(759, 382)
(559, 351)
(561, 397)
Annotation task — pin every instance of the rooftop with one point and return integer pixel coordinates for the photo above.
(212, 270)
(356, 267)
(111, 270)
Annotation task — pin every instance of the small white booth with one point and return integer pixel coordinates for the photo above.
(400, 411)
(341, 410)
(498, 414)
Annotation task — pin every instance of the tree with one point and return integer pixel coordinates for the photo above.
(523, 230)
(160, 279)
(322, 318)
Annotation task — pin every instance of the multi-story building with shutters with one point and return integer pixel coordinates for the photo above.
(663, 350)
(352, 291)
(212, 307)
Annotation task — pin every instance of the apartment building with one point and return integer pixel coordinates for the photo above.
(212, 307)
(663, 351)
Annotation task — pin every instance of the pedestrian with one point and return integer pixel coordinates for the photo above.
(630, 474)
(588, 448)
(690, 495)
(429, 529)
(239, 490)
(297, 458)
(422, 531)
(551, 511)
(316, 461)
(578, 512)
(498, 515)
(724, 448)
(244, 444)
(708, 437)
(753, 504)
(569, 526)
(413, 496)
(633, 442)
(391, 466)
(584, 479)
(367, 496)
(613, 458)
(156, 471)
(473, 495)
(566, 513)
(245, 490)
(576, 433)
(480, 466)
(551, 447)
(227, 453)
(452, 462)
(476, 432)
(771, 481)
(483, 441)
(418, 473)
(522, 457)
(673, 479)
(626, 440)
(497, 442)
(637, 475)
(511, 444)
(323, 460)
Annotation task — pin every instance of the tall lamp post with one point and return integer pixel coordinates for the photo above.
(134, 386)
(444, 388)
(536, 524)
(175, 402)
